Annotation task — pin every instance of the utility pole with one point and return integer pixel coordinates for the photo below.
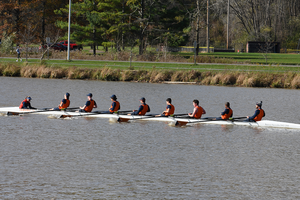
(69, 30)
(197, 27)
(207, 34)
(228, 9)
(94, 33)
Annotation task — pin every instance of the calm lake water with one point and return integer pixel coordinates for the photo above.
(84, 158)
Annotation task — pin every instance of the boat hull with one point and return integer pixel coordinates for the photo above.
(189, 121)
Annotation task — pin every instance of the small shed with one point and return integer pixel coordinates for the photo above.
(259, 47)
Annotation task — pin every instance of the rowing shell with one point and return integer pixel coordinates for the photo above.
(263, 123)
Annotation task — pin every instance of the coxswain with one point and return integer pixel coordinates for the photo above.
(227, 112)
(142, 109)
(64, 104)
(25, 104)
(198, 110)
(89, 105)
(258, 115)
(115, 105)
(170, 109)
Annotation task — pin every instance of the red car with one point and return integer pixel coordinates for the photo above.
(56, 47)
(73, 46)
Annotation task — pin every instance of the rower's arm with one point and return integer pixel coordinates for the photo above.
(194, 112)
(226, 111)
(113, 105)
(255, 114)
(86, 104)
(140, 109)
(31, 106)
(62, 102)
(167, 110)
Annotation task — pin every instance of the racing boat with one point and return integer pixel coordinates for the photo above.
(124, 117)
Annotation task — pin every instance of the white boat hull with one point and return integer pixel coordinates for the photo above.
(263, 123)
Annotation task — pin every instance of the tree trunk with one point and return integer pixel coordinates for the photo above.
(141, 48)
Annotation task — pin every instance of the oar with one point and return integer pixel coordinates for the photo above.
(94, 113)
(22, 113)
(43, 110)
(234, 118)
(182, 123)
(175, 115)
(85, 114)
(73, 108)
(123, 111)
(122, 119)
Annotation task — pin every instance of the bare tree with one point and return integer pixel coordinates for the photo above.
(49, 46)
(28, 36)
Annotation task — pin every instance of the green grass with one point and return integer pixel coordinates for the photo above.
(250, 58)
(151, 65)
(254, 58)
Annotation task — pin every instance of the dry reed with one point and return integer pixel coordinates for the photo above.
(245, 79)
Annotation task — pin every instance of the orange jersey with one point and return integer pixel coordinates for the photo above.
(227, 116)
(116, 108)
(23, 102)
(144, 110)
(260, 115)
(171, 110)
(65, 105)
(199, 112)
(90, 107)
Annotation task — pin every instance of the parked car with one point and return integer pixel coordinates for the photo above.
(56, 47)
(73, 45)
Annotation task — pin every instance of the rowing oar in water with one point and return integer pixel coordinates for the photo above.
(234, 118)
(43, 110)
(183, 123)
(122, 119)
(94, 113)
(180, 115)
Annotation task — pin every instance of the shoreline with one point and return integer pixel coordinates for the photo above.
(286, 80)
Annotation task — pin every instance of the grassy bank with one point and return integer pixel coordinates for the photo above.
(138, 65)
(286, 79)
(182, 57)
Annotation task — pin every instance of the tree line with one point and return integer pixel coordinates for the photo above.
(143, 23)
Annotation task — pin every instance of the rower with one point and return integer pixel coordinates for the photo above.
(198, 110)
(258, 115)
(227, 112)
(25, 104)
(115, 105)
(64, 104)
(89, 105)
(170, 109)
(142, 109)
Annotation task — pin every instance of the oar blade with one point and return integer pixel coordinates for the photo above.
(180, 123)
(121, 119)
(65, 116)
(13, 113)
